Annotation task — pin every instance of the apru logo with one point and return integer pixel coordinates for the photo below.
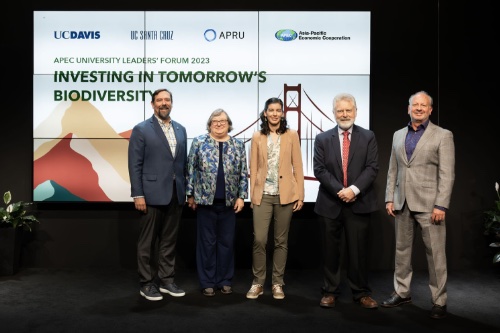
(77, 34)
(211, 35)
(285, 35)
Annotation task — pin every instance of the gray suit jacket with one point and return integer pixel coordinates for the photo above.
(427, 178)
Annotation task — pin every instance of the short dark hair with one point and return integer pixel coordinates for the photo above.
(157, 91)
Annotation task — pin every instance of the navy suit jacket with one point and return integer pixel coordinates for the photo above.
(362, 169)
(151, 165)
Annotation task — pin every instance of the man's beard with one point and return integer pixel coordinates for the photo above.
(162, 115)
(346, 124)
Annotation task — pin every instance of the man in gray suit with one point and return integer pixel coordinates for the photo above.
(157, 164)
(419, 185)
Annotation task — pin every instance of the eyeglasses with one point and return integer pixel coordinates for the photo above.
(219, 122)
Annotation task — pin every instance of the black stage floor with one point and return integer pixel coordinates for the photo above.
(108, 300)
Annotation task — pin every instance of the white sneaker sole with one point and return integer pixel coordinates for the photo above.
(149, 298)
(254, 296)
(165, 291)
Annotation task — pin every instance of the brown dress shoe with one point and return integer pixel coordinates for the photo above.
(328, 301)
(368, 303)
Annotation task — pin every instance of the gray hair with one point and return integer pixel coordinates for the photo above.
(421, 92)
(216, 113)
(345, 97)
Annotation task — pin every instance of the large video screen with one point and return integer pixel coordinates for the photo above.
(94, 73)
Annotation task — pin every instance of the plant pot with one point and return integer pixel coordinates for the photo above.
(10, 250)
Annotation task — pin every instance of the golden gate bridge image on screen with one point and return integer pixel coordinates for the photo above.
(308, 120)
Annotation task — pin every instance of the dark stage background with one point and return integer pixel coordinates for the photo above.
(443, 47)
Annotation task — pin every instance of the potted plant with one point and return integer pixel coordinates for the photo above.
(14, 218)
(492, 225)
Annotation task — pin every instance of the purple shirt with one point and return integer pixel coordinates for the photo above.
(412, 138)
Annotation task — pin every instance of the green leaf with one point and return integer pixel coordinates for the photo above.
(17, 214)
(7, 197)
(496, 258)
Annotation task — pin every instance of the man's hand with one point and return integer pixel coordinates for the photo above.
(346, 195)
(140, 204)
(389, 207)
(437, 216)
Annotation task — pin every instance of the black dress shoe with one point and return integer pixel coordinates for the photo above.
(438, 311)
(395, 300)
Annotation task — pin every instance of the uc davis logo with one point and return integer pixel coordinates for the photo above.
(285, 35)
(77, 34)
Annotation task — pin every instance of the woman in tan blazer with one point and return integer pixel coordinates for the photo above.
(276, 190)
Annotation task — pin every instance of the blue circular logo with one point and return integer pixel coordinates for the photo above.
(285, 35)
(210, 35)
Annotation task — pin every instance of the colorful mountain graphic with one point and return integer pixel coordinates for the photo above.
(87, 161)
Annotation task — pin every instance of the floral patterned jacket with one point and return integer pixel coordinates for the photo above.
(203, 163)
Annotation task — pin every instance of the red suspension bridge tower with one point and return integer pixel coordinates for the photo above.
(293, 103)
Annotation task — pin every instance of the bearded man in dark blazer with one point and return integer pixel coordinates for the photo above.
(157, 164)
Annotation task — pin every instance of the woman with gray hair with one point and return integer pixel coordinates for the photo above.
(217, 185)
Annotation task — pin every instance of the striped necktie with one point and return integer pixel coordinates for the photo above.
(345, 155)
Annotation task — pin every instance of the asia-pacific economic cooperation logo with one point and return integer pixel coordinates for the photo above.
(285, 35)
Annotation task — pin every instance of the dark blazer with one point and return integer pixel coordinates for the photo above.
(152, 166)
(362, 169)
